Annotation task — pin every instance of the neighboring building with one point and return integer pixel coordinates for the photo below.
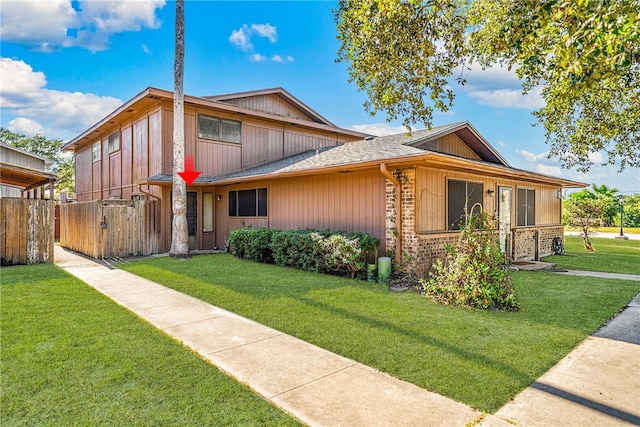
(268, 160)
(22, 174)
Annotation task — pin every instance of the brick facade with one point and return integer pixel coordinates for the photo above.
(421, 250)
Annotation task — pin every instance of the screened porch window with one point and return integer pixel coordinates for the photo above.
(248, 202)
(526, 207)
(461, 196)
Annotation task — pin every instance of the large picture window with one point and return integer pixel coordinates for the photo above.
(248, 202)
(526, 207)
(461, 196)
(210, 127)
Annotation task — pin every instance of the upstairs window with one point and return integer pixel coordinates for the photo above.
(96, 150)
(526, 207)
(114, 142)
(461, 197)
(210, 127)
(248, 202)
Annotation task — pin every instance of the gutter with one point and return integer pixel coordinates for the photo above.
(396, 183)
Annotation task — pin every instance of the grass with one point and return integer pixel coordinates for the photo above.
(481, 358)
(616, 230)
(70, 356)
(610, 255)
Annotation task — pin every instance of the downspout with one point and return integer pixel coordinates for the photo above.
(146, 193)
(396, 183)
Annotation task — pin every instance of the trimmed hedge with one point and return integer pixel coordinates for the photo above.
(312, 250)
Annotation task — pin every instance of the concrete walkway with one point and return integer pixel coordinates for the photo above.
(596, 384)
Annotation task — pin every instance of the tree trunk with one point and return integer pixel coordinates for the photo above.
(179, 231)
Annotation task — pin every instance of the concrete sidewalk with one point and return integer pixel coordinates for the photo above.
(596, 384)
(316, 386)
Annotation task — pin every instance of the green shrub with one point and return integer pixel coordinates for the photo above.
(296, 249)
(311, 250)
(473, 274)
(251, 243)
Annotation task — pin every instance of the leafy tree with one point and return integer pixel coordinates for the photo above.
(584, 54)
(631, 214)
(582, 209)
(611, 199)
(63, 165)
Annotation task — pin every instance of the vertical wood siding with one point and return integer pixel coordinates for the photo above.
(297, 142)
(83, 175)
(156, 148)
(126, 150)
(115, 175)
(140, 168)
(350, 202)
(27, 231)
(271, 104)
(450, 144)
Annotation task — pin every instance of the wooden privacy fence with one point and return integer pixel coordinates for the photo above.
(27, 231)
(111, 228)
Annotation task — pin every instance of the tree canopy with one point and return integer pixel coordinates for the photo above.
(48, 148)
(584, 54)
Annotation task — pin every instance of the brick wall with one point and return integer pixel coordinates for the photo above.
(524, 241)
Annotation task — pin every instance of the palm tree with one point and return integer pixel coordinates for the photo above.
(179, 233)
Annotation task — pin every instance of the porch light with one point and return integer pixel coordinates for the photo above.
(490, 192)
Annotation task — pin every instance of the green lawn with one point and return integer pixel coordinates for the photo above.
(481, 358)
(70, 356)
(610, 255)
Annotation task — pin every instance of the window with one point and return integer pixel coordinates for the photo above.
(220, 129)
(461, 197)
(96, 151)
(248, 202)
(114, 142)
(526, 207)
(207, 212)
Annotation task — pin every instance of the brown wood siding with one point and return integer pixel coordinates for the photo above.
(156, 148)
(261, 144)
(349, 202)
(299, 141)
(13, 157)
(96, 168)
(450, 144)
(271, 104)
(126, 153)
(167, 140)
(83, 174)
(140, 168)
(431, 198)
(115, 175)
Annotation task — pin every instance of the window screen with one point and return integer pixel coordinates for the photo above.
(526, 207)
(220, 129)
(461, 196)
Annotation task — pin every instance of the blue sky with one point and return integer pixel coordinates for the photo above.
(67, 64)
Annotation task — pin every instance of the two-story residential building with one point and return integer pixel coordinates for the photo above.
(269, 160)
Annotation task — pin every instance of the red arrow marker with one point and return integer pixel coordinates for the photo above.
(189, 175)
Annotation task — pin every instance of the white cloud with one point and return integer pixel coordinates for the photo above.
(256, 57)
(54, 24)
(276, 58)
(532, 157)
(548, 169)
(499, 87)
(289, 58)
(379, 129)
(242, 36)
(24, 96)
(266, 30)
(501, 143)
(509, 98)
(596, 158)
(146, 49)
(25, 126)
